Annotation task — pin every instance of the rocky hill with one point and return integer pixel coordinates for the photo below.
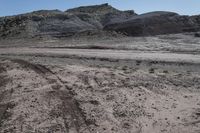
(102, 14)
(42, 23)
(155, 23)
(97, 18)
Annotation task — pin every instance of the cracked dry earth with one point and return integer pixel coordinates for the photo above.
(82, 99)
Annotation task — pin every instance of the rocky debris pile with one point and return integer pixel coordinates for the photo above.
(97, 18)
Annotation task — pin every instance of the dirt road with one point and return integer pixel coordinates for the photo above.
(110, 54)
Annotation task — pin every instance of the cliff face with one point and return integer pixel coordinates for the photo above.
(95, 18)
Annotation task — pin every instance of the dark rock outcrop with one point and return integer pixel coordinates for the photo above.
(197, 34)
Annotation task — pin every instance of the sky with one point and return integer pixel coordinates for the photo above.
(183, 7)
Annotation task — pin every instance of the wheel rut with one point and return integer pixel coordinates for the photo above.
(5, 96)
(70, 111)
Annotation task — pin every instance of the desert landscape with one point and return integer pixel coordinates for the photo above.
(96, 69)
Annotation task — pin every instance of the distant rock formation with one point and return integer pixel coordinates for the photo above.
(42, 23)
(155, 23)
(93, 19)
(101, 14)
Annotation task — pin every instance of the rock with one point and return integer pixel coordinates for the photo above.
(197, 34)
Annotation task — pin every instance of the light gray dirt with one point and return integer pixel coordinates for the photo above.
(80, 98)
(109, 54)
(85, 90)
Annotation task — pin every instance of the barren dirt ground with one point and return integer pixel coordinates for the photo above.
(54, 90)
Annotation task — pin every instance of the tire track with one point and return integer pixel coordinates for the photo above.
(5, 96)
(72, 115)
